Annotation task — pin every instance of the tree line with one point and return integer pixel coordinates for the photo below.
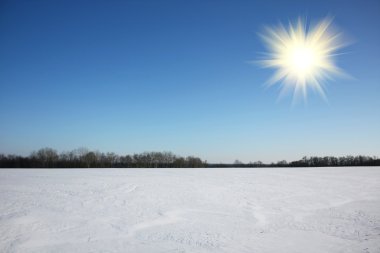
(313, 161)
(332, 161)
(84, 158)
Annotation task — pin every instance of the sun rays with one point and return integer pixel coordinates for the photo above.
(302, 55)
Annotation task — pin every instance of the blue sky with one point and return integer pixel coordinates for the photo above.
(133, 76)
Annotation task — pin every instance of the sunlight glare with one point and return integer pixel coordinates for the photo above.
(302, 55)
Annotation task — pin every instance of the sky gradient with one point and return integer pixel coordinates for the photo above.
(134, 76)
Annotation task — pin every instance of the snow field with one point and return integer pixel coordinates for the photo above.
(190, 210)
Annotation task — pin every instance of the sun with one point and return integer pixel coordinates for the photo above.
(302, 59)
(303, 55)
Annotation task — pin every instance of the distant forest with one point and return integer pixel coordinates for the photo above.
(83, 158)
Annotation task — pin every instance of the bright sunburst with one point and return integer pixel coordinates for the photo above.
(302, 55)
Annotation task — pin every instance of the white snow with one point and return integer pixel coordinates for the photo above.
(190, 210)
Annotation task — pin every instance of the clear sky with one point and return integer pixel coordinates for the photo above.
(133, 76)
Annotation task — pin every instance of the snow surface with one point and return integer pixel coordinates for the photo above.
(190, 210)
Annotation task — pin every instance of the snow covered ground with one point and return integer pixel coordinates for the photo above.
(190, 210)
